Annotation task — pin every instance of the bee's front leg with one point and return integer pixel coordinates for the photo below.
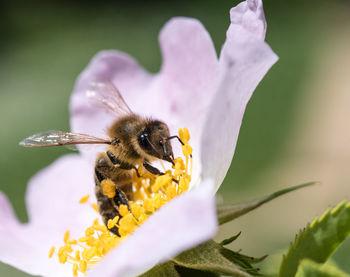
(152, 169)
(113, 158)
(117, 163)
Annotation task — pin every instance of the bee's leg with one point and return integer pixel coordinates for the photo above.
(106, 206)
(137, 171)
(152, 169)
(113, 158)
(155, 170)
(120, 164)
(120, 198)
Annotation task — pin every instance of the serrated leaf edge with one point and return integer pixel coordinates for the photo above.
(302, 232)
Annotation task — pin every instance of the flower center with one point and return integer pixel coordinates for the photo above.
(150, 193)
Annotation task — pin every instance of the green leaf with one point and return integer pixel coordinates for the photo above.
(308, 268)
(229, 240)
(318, 240)
(170, 269)
(213, 257)
(162, 270)
(209, 259)
(229, 212)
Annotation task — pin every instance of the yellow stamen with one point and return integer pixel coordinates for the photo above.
(184, 135)
(66, 236)
(171, 192)
(136, 209)
(84, 199)
(83, 266)
(161, 181)
(150, 192)
(94, 206)
(77, 255)
(187, 150)
(148, 205)
(52, 250)
(184, 183)
(123, 210)
(75, 270)
(127, 224)
(63, 258)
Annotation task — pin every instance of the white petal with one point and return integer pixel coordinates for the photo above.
(25, 246)
(184, 85)
(126, 74)
(189, 69)
(53, 196)
(179, 225)
(244, 61)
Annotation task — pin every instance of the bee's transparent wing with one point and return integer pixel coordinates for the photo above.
(108, 96)
(59, 138)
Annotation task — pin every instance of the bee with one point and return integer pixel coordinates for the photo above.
(132, 141)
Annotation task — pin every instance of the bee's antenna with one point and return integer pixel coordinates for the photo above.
(172, 137)
(177, 137)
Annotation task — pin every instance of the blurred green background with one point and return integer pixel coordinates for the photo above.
(296, 127)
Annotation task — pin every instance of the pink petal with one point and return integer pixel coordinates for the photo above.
(53, 196)
(247, 18)
(244, 61)
(25, 246)
(126, 75)
(53, 206)
(181, 224)
(189, 69)
(187, 76)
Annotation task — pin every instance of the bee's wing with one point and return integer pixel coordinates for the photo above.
(107, 95)
(58, 138)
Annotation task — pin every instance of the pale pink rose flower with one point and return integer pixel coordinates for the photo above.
(193, 89)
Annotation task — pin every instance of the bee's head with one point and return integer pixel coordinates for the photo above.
(153, 139)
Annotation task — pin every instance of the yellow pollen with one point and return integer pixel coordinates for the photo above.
(127, 224)
(171, 192)
(52, 250)
(123, 210)
(108, 188)
(89, 232)
(66, 236)
(83, 266)
(84, 199)
(150, 192)
(136, 210)
(75, 270)
(77, 255)
(184, 135)
(187, 150)
(63, 258)
(161, 181)
(94, 206)
(72, 241)
(148, 204)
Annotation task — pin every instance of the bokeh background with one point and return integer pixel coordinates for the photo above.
(296, 127)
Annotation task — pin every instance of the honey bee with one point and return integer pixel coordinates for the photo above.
(133, 141)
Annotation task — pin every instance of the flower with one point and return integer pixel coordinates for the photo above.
(194, 89)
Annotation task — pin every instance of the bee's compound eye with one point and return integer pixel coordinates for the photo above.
(102, 161)
(143, 140)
